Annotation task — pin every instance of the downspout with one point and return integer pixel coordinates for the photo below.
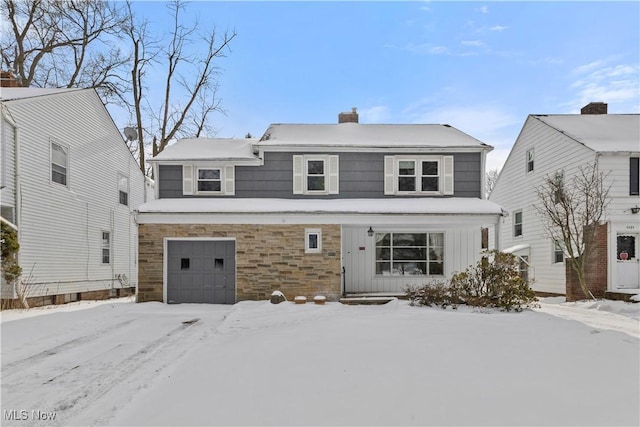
(17, 196)
(483, 173)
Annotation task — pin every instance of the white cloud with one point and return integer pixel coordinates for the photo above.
(476, 43)
(484, 9)
(599, 82)
(376, 114)
(498, 28)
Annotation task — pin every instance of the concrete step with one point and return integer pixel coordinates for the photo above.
(366, 300)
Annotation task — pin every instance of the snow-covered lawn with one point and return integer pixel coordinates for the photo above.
(254, 363)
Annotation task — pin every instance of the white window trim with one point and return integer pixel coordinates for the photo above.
(197, 180)
(554, 247)
(51, 162)
(102, 247)
(301, 174)
(307, 233)
(325, 174)
(190, 179)
(445, 175)
(533, 161)
(444, 255)
(516, 236)
(128, 190)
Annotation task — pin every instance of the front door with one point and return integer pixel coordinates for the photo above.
(627, 262)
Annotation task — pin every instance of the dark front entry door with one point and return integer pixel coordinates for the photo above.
(201, 271)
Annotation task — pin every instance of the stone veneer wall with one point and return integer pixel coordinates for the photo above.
(268, 258)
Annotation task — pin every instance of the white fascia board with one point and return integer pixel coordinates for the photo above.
(368, 149)
(211, 162)
(338, 219)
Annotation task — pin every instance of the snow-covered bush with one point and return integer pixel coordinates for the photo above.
(493, 282)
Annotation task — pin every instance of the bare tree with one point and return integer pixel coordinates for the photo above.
(189, 89)
(571, 213)
(491, 179)
(65, 43)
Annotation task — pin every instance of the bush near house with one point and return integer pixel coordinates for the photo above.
(493, 282)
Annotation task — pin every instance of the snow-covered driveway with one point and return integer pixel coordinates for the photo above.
(260, 364)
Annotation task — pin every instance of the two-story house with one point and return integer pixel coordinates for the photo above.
(69, 187)
(557, 146)
(313, 209)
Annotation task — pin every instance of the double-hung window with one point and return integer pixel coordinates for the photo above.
(517, 224)
(59, 163)
(106, 247)
(409, 254)
(209, 181)
(558, 252)
(123, 190)
(315, 174)
(418, 175)
(530, 158)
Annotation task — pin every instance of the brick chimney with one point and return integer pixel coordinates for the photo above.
(7, 79)
(594, 108)
(351, 117)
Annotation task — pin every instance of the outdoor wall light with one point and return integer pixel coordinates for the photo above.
(370, 232)
(634, 210)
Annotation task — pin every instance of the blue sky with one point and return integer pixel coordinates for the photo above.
(481, 67)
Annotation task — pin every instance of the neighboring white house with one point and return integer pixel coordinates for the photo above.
(561, 144)
(71, 186)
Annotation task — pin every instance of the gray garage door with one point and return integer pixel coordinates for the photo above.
(200, 271)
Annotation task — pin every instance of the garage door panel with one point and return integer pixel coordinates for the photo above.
(201, 271)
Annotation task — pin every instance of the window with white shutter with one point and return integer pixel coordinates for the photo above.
(316, 174)
(418, 175)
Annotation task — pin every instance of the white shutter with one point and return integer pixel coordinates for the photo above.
(229, 180)
(334, 168)
(298, 175)
(389, 175)
(187, 179)
(447, 175)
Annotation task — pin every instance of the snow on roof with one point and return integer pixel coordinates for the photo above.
(369, 135)
(208, 149)
(516, 248)
(417, 206)
(12, 93)
(599, 132)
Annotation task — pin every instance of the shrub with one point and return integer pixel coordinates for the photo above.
(493, 282)
(435, 293)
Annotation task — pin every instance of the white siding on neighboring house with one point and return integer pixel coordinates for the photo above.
(514, 191)
(7, 163)
(61, 226)
(616, 169)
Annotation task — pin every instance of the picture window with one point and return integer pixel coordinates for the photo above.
(409, 254)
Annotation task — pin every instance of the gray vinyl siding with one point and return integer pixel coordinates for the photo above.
(361, 176)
